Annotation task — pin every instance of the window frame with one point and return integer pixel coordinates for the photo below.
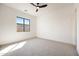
(24, 29)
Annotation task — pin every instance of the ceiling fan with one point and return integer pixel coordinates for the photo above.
(38, 5)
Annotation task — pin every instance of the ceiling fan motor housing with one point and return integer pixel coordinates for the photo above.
(39, 5)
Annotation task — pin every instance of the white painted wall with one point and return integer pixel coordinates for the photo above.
(57, 22)
(77, 6)
(78, 30)
(8, 31)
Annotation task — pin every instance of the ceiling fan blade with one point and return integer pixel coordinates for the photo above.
(33, 4)
(36, 10)
(42, 6)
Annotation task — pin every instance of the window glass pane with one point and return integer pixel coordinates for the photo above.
(19, 22)
(27, 25)
(27, 21)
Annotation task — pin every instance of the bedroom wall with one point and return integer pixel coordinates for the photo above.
(77, 7)
(8, 29)
(57, 22)
(78, 30)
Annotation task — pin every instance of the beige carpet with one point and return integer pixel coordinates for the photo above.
(42, 47)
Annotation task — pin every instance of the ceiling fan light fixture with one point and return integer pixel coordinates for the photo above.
(37, 7)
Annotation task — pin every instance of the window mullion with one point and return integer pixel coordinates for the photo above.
(23, 24)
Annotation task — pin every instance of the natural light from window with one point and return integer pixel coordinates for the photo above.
(12, 47)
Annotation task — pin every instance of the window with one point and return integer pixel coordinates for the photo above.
(23, 24)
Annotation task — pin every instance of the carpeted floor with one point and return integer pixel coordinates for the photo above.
(40, 47)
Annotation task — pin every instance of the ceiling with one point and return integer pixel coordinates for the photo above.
(31, 9)
(23, 6)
